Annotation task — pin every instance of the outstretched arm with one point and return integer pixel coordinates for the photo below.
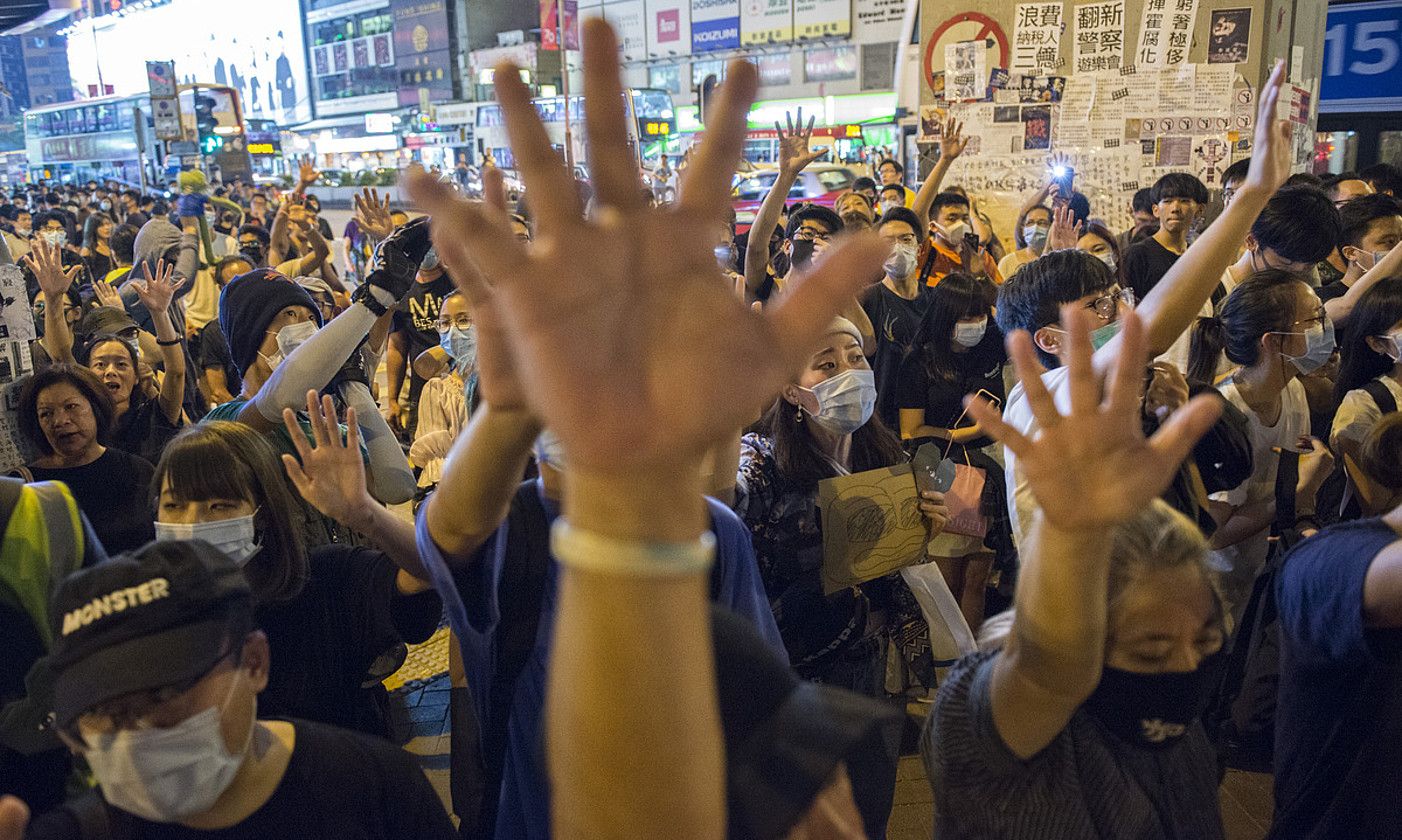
(46, 262)
(156, 294)
(1340, 308)
(794, 155)
(951, 147)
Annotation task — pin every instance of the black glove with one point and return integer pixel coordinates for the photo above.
(352, 371)
(397, 259)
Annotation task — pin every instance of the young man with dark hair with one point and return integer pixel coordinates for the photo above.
(1345, 187)
(890, 197)
(895, 306)
(253, 244)
(1297, 228)
(952, 244)
(1383, 177)
(1370, 228)
(1178, 199)
(131, 209)
(159, 694)
(1033, 300)
(867, 187)
(123, 245)
(1232, 178)
(890, 172)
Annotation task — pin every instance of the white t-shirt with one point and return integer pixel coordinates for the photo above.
(1018, 414)
(1358, 414)
(1177, 354)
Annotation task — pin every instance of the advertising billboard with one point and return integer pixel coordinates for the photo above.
(715, 25)
(668, 27)
(254, 46)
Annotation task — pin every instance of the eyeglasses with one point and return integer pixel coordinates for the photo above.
(1108, 304)
(811, 235)
(1318, 318)
(462, 322)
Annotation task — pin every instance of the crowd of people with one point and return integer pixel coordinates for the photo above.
(595, 432)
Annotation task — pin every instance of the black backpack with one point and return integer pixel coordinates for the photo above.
(1381, 395)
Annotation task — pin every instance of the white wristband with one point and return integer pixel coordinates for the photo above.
(606, 555)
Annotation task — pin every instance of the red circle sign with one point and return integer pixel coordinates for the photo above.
(986, 27)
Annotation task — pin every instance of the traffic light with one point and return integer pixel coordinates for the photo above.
(704, 91)
(205, 124)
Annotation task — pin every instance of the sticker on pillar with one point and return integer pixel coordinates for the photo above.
(1230, 38)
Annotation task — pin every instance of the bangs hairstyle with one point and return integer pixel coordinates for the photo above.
(1377, 311)
(1032, 298)
(957, 296)
(219, 459)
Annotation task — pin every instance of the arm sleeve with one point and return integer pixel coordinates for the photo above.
(391, 479)
(312, 364)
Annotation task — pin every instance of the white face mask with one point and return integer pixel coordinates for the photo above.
(969, 335)
(166, 775)
(549, 451)
(289, 338)
(955, 233)
(1035, 236)
(889, 204)
(55, 238)
(1107, 257)
(845, 401)
(237, 537)
(901, 262)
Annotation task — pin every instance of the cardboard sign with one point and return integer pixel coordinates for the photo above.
(872, 525)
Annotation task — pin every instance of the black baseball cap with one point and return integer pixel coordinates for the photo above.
(157, 617)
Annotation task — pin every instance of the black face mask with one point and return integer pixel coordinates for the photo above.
(254, 251)
(1153, 710)
(801, 253)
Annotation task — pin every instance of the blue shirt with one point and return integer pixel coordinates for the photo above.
(1339, 714)
(469, 588)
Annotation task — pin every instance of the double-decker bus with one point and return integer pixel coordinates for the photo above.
(110, 137)
(651, 122)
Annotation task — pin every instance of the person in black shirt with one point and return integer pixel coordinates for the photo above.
(895, 306)
(1179, 199)
(957, 351)
(415, 330)
(184, 661)
(1371, 227)
(67, 415)
(330, 613)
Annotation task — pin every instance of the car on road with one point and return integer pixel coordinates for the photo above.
(820, 183)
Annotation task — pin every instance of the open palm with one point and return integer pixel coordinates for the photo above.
(1114, 470)
(794, 153)
(636, 351)
(157, 292)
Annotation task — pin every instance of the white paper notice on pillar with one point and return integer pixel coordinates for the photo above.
(965, 71)
(1037, 38)
(1166, 32)
(626, 16)
(1099, 41)
(668, 28)
(766, 22)
(822, 19)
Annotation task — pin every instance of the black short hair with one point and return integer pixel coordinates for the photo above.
(1178, 185)
(816, 212)
(123, 244)
(86, 383)
(1300, 224)
(41, 219)
(901, 214)
(1080, 208)
(1143, 201)
(1383, 177)
(900, 170)
(134, 195)
(948, 198)
(1358, 215)
(1032, 298)
(895, 188)
(1304, 179)
(863, 183)
(256, 230)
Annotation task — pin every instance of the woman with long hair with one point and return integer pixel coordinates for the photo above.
(97, 248)
(1369, 385)
(1030, 235)
(333, 615)
(958, 350)
(1099, 242)
(1273, 327)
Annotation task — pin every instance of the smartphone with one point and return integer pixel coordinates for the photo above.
(932, 470)
(1064, 177)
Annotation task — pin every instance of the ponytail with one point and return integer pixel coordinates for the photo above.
(1206, 344)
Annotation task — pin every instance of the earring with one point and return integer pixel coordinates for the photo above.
(798, 415)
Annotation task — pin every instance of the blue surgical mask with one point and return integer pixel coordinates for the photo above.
(1101, 337)
(1319, 346)
(1036, 236)
(460, 344)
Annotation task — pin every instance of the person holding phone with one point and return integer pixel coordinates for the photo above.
(958, 350)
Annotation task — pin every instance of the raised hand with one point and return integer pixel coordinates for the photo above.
(158, 291)
(371, 215)
(1271, 148)
(794, 153)
(1065, 230)
(637, 355)
(107, 294)
(14, 817)
(307, 174)
(330, 474)
(46, 262)
(1117, 471)
(952, 140)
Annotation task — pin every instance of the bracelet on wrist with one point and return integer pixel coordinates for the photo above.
(170, 342)
(630, 558)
